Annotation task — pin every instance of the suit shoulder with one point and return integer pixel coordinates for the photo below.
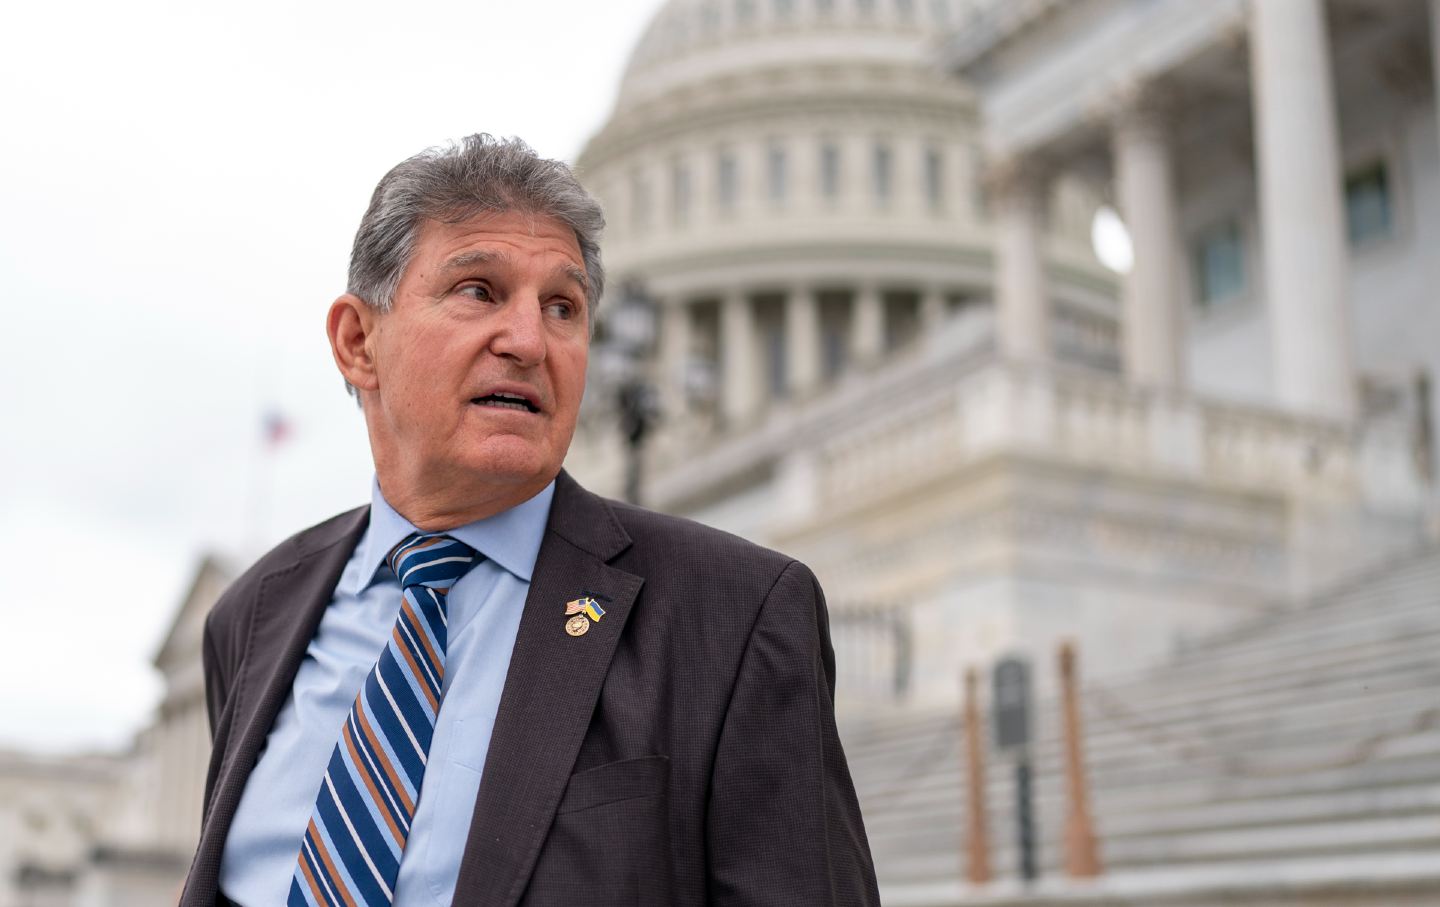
(232, 609)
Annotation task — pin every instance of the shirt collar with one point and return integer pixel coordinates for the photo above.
(511, 538)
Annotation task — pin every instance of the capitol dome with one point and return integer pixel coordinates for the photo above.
(691, 42)
(798, 184)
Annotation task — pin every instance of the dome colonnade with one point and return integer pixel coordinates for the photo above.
(802, 191)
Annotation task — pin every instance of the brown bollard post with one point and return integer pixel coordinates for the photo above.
(977, 838)
(1082, 857)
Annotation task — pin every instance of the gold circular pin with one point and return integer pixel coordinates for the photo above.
(578, 625)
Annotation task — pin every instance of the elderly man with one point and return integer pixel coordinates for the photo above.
(490, 686)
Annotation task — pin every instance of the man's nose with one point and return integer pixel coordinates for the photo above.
(520, 331)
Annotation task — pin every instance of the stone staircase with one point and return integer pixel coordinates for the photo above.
(1294, 759)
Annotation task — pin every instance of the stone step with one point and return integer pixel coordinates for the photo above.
(1397, 879)
(943, 795)
(1120, 741)
(920, 834)
(1405, 640)
(1411, 594)
(1330, 805)
(1394, 670)
(1267, 662)
(1170, 850)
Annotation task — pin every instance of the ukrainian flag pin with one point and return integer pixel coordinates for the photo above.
(580, 612)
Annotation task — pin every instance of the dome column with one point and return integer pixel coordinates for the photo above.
(933, 309)
(867, 325)
(740, 388)
(1022, 306)
(802, 342)
(675, 354)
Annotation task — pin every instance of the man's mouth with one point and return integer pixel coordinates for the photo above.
(506, 401)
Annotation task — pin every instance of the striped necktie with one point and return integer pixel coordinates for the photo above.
(350, 854)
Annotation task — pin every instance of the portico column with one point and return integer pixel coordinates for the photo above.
(867, 325)
(739, 391)
(1022, 309)
(1153, 320)
(675, 355)
(802, 342)
(1301, 207)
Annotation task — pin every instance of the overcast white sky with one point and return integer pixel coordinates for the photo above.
(179, 184)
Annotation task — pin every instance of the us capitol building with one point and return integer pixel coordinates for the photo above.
(885, 343)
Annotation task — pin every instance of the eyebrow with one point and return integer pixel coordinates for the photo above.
(485, 257)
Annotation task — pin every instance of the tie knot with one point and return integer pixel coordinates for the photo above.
(434, 561)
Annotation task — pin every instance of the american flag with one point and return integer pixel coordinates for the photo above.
(277, 429)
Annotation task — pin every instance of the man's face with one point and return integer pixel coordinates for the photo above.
(480, 363)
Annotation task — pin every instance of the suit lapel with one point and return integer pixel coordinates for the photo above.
(289, 604)
(550, 693)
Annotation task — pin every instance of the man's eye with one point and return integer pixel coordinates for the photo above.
(563, 309)
(477, 291)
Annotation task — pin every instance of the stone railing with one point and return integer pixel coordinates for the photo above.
(1094, 420)
(873, 654)
(899, 427)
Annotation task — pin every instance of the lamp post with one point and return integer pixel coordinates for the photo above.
(623, 353)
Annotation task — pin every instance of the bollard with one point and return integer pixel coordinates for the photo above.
(1082, 857)
(977, 839)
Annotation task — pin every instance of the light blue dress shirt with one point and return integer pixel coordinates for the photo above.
(484, 616)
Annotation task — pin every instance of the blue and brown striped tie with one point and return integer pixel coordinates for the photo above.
(350, 854)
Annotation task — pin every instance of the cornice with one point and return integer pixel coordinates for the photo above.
(703, 111)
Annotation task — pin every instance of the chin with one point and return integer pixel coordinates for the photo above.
(509, 464)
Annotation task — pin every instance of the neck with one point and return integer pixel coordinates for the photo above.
(439, 506)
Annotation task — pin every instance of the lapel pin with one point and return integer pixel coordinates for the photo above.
(581, 611)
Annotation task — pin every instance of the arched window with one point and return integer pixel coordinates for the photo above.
(882, 175)
(710, 19)
(775, 172)
(639, 201)
(727, 181)
(830, 170)
(935, 178)
(679, 191)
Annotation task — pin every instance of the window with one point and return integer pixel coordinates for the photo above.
(784, 9)
(867, 7)
(710, 18)
(1368, 214)
(825, 7)
(680, 192)
(775, 172)
(1220, 264)
(940, 9)
(727, 181)
(744, 11)
(935, 178)
(880, 172)
(830, 171)
(906, 8)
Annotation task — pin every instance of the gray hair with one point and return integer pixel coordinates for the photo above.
(455, 182)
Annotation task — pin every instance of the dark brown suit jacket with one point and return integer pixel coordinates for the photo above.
(682, 752)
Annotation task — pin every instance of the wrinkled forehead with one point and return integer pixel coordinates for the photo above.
(499, 238)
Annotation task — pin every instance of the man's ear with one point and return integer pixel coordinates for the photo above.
(351, 325)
